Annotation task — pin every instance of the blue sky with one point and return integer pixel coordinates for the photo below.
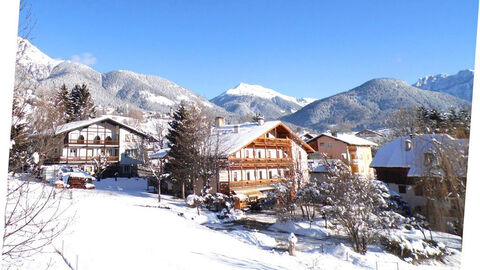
(300, 48)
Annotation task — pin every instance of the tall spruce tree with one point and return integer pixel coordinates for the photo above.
(82, 103)
(186, 134)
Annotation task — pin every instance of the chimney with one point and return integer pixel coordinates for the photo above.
(408, 145)
(236, 128)
(334, 133)
(260, 119)
(219, 121)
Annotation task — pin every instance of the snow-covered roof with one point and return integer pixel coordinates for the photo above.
(160, 154)
(395, 154)
(83, 123)
(320, 165)
(369, 132)
(349, 139)
(231, 141)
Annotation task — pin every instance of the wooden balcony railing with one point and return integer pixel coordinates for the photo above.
(253, 183)
(260, 160)
(87, 159)
(93, 142)
(272, 142)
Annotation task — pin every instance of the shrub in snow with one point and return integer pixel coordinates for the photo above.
(217, 202)
(413, 250)
(284, 195)
(194, 200)
(359, 206)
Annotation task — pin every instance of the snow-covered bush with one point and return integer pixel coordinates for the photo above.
(217, 202)
(284, 195)
(413, 250)
(358, 206)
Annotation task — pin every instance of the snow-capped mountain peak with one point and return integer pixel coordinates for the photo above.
(459, 85)
(255, 90)
(250, 99)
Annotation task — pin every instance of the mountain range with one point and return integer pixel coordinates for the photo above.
(111, 89)
(365, 106)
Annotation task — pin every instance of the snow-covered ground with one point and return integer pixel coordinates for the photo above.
(120, 225)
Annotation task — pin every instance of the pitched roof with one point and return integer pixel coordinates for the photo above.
(230, 141)
(370, 132)
(83, 123)
(395, 155)
(347, 138)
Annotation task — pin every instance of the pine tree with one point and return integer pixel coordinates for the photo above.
(63, 101)
(82, 103)
(186, 137)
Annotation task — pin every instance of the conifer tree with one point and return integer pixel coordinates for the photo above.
(186, 136)
(63, 101)
(82, 103)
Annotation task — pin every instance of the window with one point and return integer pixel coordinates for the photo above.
(235, 176)
(402, 189)
(321, 144)
(80, 139)
(108, 139)
(73, 152)
(259, 154)
(260, 175)
(96, 140)
(329, 145)
(270, 176)
(247, 153)
(248, 175)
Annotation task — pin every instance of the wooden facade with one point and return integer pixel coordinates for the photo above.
(262, 162)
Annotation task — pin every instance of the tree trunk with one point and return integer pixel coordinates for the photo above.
(159, 190)
(183, 190)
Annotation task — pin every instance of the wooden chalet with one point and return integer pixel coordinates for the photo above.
(258, 155)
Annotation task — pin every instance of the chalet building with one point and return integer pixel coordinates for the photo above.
(257, 155)
(402, 163)
(350, 149)
(83, 143)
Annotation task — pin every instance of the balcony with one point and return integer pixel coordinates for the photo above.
(86, 159)
(272, 142)
(225, 187)
(93, 142)
(260, 162)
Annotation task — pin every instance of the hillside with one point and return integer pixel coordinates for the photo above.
(368, 105)
(248, 100)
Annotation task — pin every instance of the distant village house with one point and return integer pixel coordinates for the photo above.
(350, 149)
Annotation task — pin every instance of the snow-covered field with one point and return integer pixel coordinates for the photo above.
(122, 226)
